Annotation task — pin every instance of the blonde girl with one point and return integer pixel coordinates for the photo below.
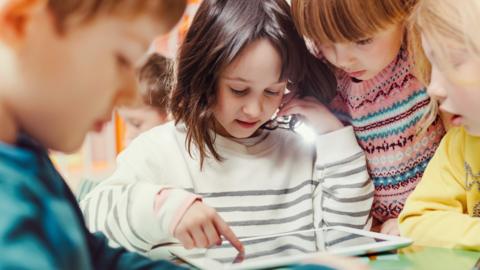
(444, 209)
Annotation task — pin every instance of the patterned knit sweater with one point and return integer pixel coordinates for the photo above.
(385, 112)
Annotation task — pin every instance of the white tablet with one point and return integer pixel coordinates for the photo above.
(290, 248)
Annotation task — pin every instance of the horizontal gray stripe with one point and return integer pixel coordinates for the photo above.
(271, 252)
(357, 185)
(351, 214)
(271, 221)
(300, 199)
(305, 227)
(129, 217)
(350, 225)
(355, 226)
(342, 239)
(257, 192)
(308, 226)
(347, 173)
(266, 240)
(354, 199)
(340, 162)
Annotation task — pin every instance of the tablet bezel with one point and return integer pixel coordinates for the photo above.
(391, 242)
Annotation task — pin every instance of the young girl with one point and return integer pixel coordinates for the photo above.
(216, 171)
(365, 42)
(444, 209)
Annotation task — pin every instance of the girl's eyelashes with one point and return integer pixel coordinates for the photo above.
(243, 92)
(272, 92)
(364, 41)
(238, 92)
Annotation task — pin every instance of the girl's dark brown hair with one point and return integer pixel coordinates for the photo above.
(219, 32)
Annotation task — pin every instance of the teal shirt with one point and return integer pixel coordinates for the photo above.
(41, 226)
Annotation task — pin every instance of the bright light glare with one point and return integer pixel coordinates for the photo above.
(307, 133)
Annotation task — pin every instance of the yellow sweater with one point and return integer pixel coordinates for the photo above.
(444, 209)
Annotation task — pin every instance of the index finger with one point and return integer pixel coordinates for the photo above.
(224, 229)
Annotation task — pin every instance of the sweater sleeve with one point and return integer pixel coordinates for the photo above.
(344, 194)
(123, 206)
(105, 257)
(435, 214)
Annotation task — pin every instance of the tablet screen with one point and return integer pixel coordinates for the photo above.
(294, 243)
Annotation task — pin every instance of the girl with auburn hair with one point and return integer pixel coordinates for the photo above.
(223, 167)
(367, 44)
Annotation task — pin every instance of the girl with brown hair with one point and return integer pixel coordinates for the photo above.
(222, 168)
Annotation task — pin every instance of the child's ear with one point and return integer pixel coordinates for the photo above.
(15, 16)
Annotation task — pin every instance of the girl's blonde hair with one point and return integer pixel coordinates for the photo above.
(339, 21)
(446, 23)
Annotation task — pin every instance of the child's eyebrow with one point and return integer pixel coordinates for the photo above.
(236, 79)
(247, 81)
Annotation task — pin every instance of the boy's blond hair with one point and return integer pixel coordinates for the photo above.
(339, 21)
(78, 11)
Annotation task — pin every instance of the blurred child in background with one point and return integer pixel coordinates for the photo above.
(155, 80)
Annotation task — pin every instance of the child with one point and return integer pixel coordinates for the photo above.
(215, 171)
(365, 42)
(48, 50)
(155, 80)
(444, 208)
(150, 110)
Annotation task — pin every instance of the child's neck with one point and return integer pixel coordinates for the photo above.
(8, 132)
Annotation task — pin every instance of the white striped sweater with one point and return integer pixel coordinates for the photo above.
(280, 184)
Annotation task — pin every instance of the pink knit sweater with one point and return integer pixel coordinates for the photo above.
(385, 112)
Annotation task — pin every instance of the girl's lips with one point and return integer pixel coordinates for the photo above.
(246, 124)
(456, 120)
(356, 74)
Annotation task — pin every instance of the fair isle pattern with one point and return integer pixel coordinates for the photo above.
(385, 112)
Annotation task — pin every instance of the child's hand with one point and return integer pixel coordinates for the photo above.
(316, 114)
(202, 227)
(390, 227)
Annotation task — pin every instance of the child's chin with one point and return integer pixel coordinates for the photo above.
(67, 147)
(474, 131)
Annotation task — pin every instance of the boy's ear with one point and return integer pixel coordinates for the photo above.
(15, 16)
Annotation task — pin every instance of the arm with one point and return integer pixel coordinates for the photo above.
(137, 212)
(32, 237)
(21, 234)
(105, 257)
(123, 206)
(345, 191)
(344, 194)
(435, 214)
